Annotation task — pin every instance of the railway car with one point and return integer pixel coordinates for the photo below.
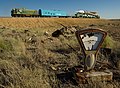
(52, 13)
(86, 14)
(23, 12)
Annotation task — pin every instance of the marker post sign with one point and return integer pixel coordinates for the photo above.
(90, 40)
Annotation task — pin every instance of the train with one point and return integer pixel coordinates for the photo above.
(86, 14)
(23, 12)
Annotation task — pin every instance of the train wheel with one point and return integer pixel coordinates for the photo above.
(15, 15)
(18, 15)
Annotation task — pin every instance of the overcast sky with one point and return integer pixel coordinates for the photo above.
(105, 8)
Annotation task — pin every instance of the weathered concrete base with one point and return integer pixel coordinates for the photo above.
(86, 77)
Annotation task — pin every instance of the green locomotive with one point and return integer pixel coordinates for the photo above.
(23, 12)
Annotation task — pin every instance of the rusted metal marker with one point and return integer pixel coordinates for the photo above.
(90, 40)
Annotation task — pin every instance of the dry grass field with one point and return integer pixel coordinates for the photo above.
(30, 57)
(52, 22)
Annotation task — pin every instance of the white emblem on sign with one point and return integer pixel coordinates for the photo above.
(91, 40)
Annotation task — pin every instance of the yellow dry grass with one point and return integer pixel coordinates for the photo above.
(22, 23)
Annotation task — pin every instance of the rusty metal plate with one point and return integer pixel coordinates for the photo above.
(87, 77)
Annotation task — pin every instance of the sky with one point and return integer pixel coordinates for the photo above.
(108, 9)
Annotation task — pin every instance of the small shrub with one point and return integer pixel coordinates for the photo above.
(5, 44)
(108, 42)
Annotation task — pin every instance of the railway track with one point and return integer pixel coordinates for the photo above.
(5, 17)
